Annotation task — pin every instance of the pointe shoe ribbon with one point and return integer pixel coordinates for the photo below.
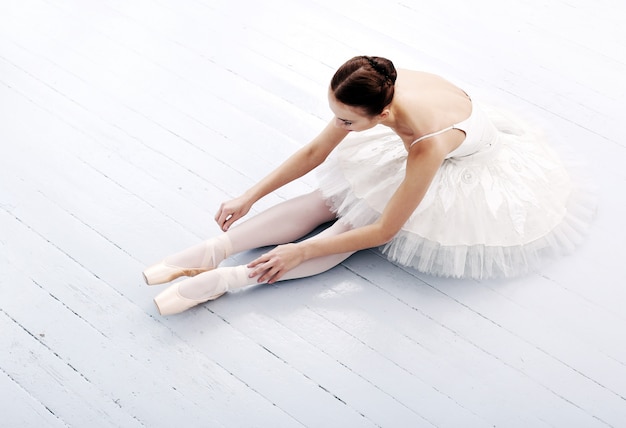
(163, 272)
(212, 284)
(215, 250)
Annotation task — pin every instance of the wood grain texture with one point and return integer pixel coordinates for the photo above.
(123, 126)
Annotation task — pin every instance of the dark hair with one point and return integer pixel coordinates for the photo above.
(366, 82)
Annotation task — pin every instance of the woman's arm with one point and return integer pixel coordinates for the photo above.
(301, 162)
(423, 161)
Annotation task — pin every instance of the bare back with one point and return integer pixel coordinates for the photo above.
(426, 103)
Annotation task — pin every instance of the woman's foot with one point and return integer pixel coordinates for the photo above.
(190, 262)
(204, 287)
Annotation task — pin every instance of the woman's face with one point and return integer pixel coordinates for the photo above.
(348, 117)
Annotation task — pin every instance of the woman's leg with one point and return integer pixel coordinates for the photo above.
(216, 282)
(285, 222)
(212, 284)
(320, 264)
(282, 223)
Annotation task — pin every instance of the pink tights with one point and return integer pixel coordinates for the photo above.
(283, 223)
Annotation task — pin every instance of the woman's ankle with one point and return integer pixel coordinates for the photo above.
(216, 281)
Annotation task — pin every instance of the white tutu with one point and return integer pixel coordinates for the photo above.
(498, 206)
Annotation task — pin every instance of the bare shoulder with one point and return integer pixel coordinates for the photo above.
(431, 100)
(429, 104)
(424, 80)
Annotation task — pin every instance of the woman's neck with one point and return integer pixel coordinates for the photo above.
(397, 121)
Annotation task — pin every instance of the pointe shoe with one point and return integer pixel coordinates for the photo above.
(212, 284)
(163, 272)
(215, 250)
(170, 301)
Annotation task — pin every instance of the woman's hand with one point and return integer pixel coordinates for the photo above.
(231, 211)
(274, 264)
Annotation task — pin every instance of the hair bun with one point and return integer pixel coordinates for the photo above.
(380, 68)
(366, 82)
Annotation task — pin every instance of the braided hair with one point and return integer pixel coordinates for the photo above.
(366, 82)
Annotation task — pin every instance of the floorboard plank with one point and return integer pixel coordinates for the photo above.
(19, 408)
(67, 394)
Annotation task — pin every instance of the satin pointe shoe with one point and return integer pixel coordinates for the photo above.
(215, 250)
(163, 272)
(210, 285)
(170, 301)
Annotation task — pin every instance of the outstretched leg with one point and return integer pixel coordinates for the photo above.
(211, 285)
(320, 264)
(282, 223)
(285, 222)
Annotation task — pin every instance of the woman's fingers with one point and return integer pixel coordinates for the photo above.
(271, 276)
(266, 268)
(231, 211)
(225, 217)
(273, 265)
(257, 266)
(221, 216)
(229, 219)
(263, 258)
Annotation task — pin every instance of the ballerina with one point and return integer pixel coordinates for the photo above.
(409, 163)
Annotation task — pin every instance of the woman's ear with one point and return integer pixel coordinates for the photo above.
(384, 115)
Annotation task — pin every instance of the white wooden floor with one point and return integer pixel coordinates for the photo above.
(123, 125)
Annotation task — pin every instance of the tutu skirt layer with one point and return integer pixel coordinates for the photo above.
(498, 211)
